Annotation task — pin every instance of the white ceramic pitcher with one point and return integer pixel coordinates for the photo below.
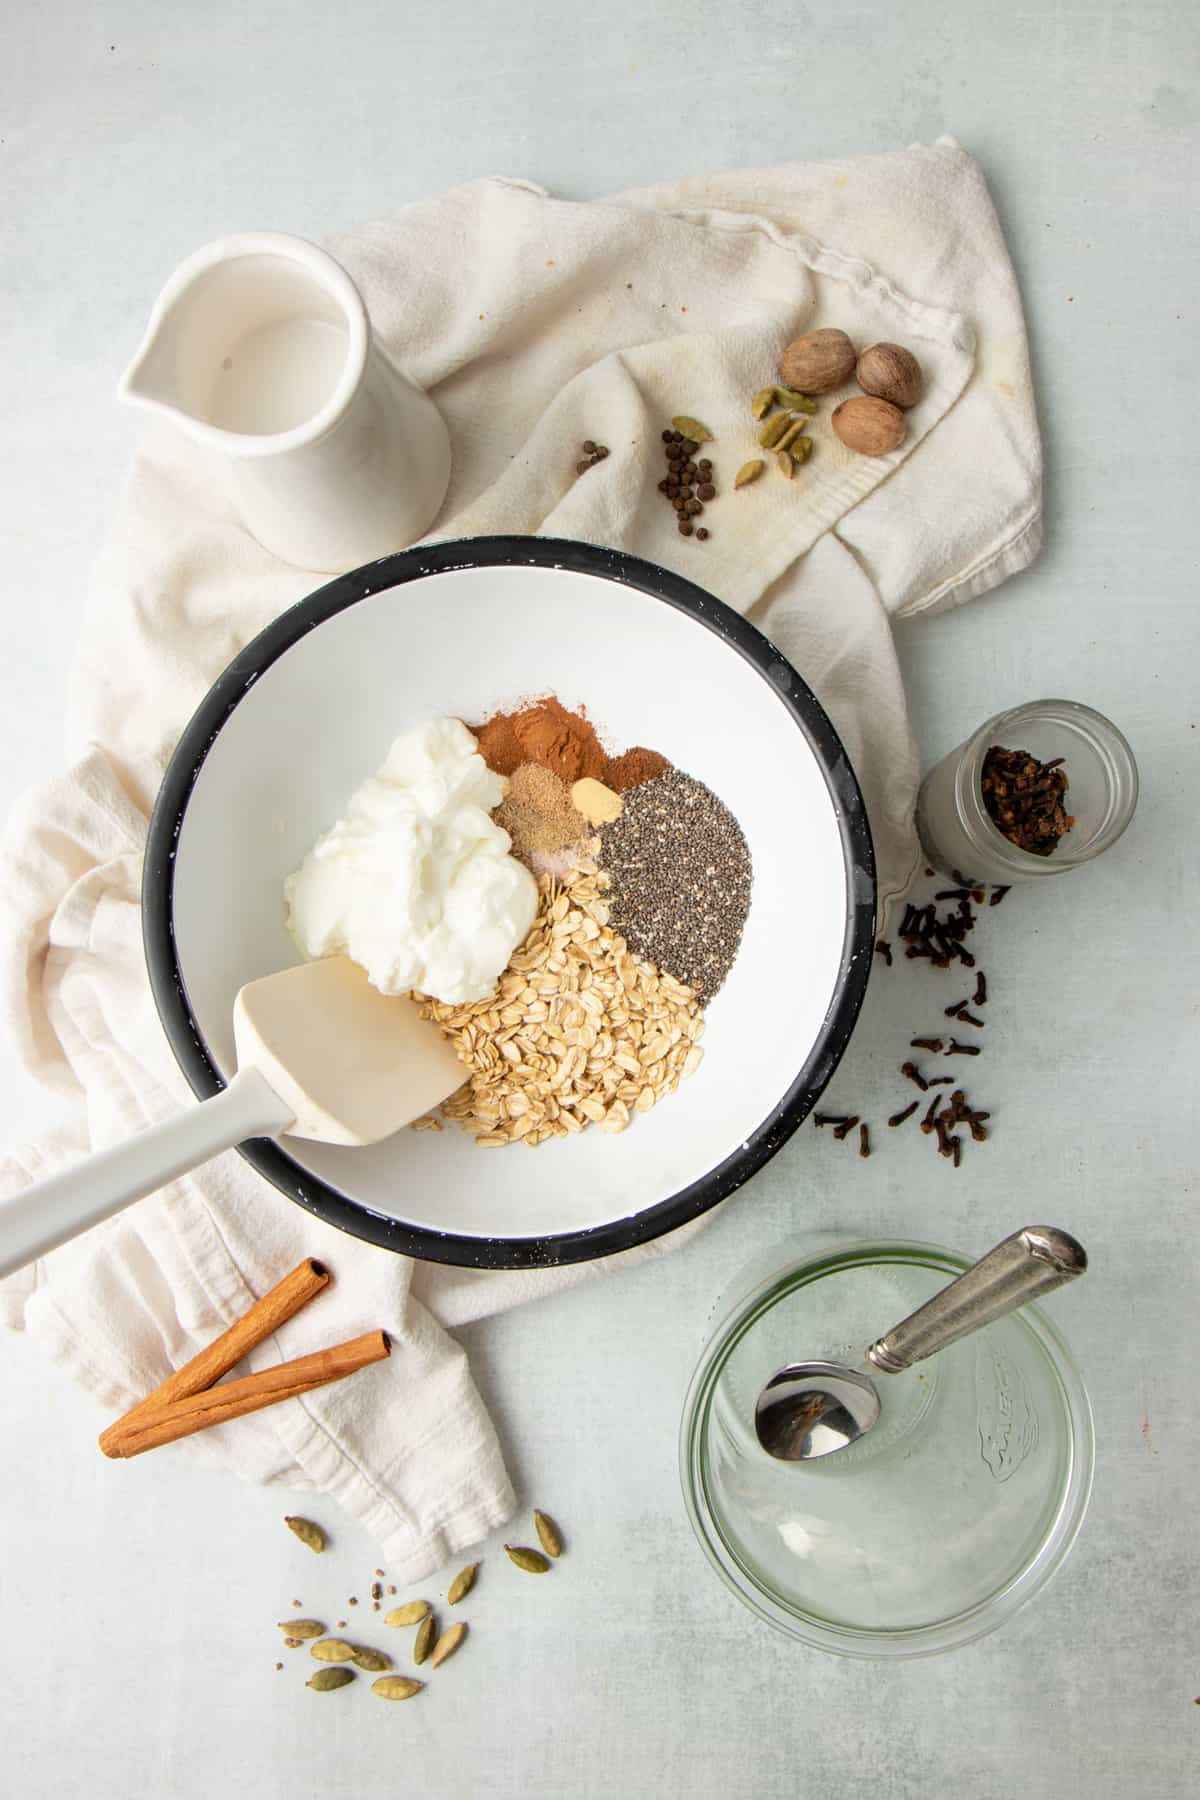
(259, 348)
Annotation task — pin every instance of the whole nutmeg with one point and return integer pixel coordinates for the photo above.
(890, 372)
(870, 426)
(818, 361)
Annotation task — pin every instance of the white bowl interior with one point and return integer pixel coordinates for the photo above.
(469, 642)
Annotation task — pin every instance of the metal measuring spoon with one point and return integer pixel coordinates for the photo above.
(813, 1409)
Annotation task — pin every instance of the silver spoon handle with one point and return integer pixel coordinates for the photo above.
(1025, 1266)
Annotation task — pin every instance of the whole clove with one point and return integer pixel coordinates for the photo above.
(927, 1123)
(914, 1074)
(1024, 798)
(967, 1018)
(934, 1045)
(884, 949)
(954, 1048)
(939, 1081)
(820, 1119)
(846, 1127)
(899, 1117)
(980, 989)
(864, 1141)
(998, 895)
(955, 1011)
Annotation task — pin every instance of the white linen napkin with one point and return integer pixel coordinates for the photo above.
(534, 323)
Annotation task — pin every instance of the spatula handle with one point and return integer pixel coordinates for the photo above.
(49, 1212)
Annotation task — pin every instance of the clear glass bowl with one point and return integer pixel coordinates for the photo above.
(942, 1521)
(953, 824)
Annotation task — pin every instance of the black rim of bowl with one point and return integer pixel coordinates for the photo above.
(785, 1114)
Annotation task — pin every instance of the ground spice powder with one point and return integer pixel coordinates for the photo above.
(545, 732)
(548, 733)
(633, 768)
(537, 812)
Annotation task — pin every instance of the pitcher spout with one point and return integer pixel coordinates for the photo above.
(151, 380)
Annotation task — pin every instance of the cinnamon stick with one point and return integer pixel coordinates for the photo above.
(266, 1315)
(140, 1431)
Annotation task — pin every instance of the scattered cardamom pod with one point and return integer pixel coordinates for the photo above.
(448, 1643)
(800, 449)
(692, 428)
(374, 1661)
(307, 1532)
(462, 1584)
(794, 401)
(396, 1687)
(784, 463)
(749, 472)
(762, 402)
(332, 1650)
(323, 1681)
(532, 1561)
(773, 430)
(302, 1628)
(549, 1536)
(424, 1641)
(411, 1613)
(791, 434)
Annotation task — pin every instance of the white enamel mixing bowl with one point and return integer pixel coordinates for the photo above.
(309, 709)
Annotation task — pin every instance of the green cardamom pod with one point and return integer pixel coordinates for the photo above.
(532, 1561)
(411, 1613)
(773, 430)
(749, 472)
(795, 402)
(448, 1643)
(323, 1681)
(762, 402)
(784, 463)
(307, 1532)
(549, 1536)
(462, 1584)
(396, 1687)
(332, 1650)
(801, 449)
(692, 428)
(374, 1661)
(792, 433)
(424, 1640)
(302, 1628)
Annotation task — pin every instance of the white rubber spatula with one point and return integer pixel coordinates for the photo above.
(321, 1054)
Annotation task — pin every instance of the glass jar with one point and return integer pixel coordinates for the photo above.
(933, 1528)
(953, 824)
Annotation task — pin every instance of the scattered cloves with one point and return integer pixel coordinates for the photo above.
(884, 949)
(845, 1128)
(934, 1045)
(864, 1141)
(914, 1074)
(954, 1048)
(899, 1117)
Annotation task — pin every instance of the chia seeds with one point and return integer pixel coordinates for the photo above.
(681, 876)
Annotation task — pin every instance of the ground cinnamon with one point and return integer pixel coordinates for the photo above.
(548, 733)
